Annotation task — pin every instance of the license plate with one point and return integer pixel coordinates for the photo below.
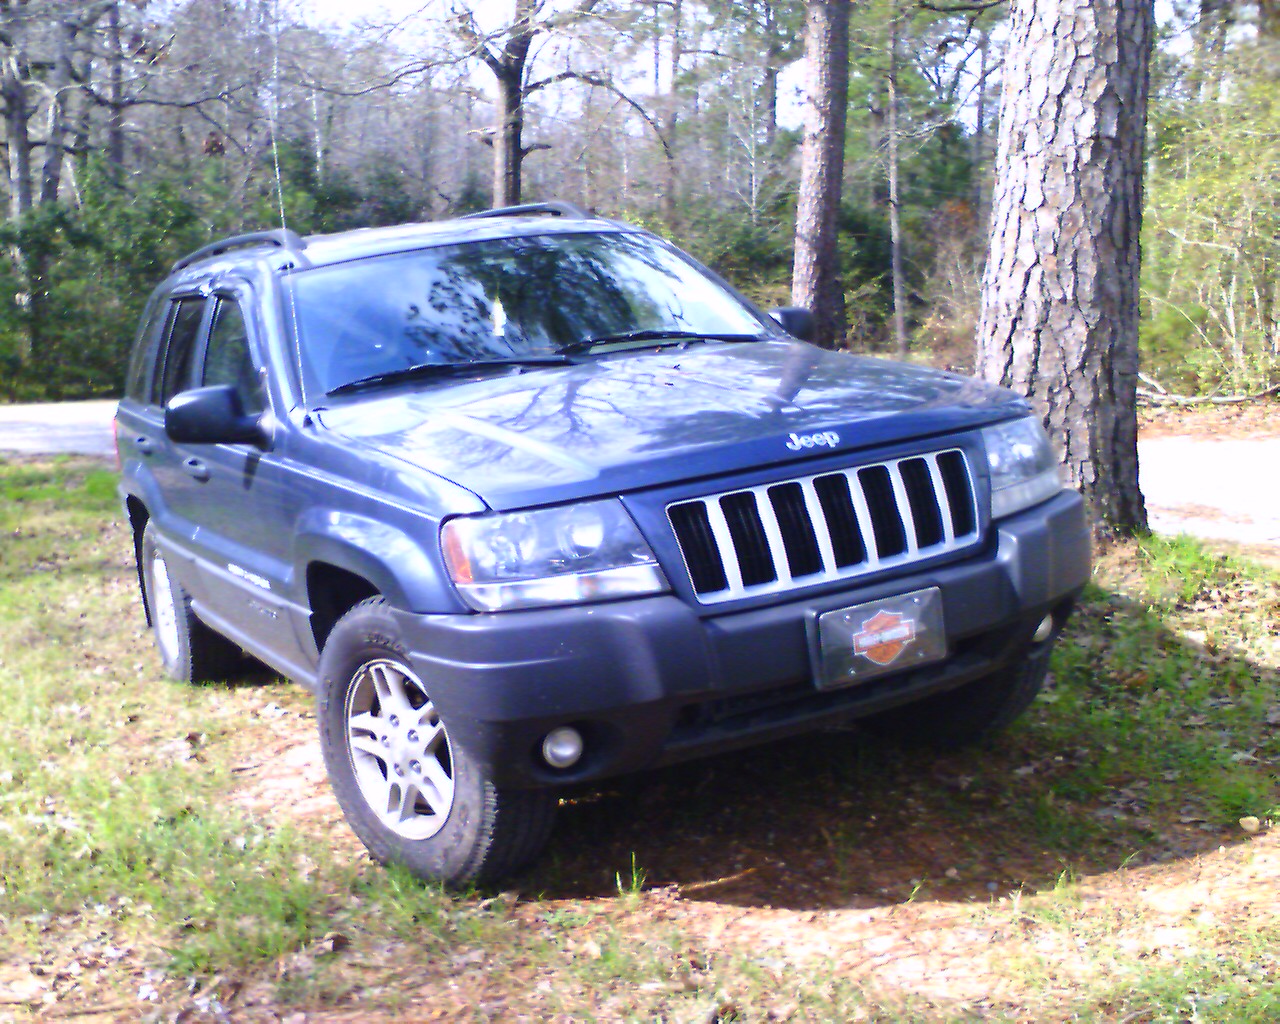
(872, 639)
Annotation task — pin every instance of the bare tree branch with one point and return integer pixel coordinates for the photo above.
(960, 8)
(601, 82)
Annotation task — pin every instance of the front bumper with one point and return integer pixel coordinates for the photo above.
(653, 680)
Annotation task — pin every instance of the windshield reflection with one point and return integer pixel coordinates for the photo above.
(498, 299)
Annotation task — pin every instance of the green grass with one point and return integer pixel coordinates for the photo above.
(119, 817)
(113, 805)
(1239, 986)
(1171, 684)
(114, 810)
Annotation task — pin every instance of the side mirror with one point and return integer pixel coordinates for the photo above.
(795, 320)
(212, 415)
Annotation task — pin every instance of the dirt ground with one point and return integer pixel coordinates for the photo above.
(1239, 421)
(899, 920)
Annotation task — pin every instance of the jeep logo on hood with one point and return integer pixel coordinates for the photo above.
(823, 439)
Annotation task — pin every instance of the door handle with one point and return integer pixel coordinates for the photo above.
(144, 444)
(196, 468)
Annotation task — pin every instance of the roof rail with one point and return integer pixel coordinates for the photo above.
(554, 208)
(281, 238)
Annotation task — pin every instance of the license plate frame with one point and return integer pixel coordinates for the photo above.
(868, 640)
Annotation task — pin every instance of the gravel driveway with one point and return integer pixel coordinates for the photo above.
(1227, 489)
(1213, 488)
(81, 428)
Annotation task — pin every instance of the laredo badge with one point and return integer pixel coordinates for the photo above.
(884, 636)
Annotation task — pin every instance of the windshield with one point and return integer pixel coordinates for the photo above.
(503, 299)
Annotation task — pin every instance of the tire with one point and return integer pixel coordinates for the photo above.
(970, 713)
(412, 795)
(190, 651)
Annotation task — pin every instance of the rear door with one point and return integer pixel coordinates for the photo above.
(172, 372)
(229, 496)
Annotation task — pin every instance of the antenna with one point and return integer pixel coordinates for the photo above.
(274, 115)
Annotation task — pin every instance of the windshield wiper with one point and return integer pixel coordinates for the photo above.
(449, 370)
(587, 344)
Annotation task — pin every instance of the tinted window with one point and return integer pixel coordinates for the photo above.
(228, 360)
(498, 299)
(136, 381)
(179, 361)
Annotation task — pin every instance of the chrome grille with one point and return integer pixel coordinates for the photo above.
(830, 526)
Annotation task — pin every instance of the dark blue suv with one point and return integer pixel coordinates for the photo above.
(530, 498)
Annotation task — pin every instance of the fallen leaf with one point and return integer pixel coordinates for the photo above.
(334, 942)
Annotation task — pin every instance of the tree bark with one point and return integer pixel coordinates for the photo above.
(1059, 319)
(979, 158)
(815, 281)
(17, 123)
(895, 217)
(58, 126)
(772, 69)
(671, 123)
(1269, 19)
(115, 117)
(508, 139)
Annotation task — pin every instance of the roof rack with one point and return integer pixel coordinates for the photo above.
(554, 208)
(281, 238)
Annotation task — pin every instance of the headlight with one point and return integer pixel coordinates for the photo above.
(589, 552)
(1024, 468)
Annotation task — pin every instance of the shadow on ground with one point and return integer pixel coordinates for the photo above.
(843, 819)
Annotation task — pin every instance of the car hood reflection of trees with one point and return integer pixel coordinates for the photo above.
(627, 421)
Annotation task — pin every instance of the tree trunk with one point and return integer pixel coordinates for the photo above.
(115, 119)
(815, 280)
(1059, 318)
(895, 218)
(1269, 34)
(508, 151)
(671, 124)
(979, 157)
(772, 68)
(1269, 19)
(17, 124)
(58, 126)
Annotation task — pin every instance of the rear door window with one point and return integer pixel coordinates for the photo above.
(137, 379)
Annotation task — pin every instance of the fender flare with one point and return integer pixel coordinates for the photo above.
(402, 568)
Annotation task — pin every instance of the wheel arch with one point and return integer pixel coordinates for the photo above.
(332, 591)
(398, 564)
(139, 516)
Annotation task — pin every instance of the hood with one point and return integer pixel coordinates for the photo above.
(624, 422)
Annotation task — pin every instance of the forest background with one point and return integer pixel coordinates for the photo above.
(138, 130)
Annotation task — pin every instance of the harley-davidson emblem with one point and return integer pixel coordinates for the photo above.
(884, 636)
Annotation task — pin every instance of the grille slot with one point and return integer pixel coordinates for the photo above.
(926, 512)
(955, 482)
(693, 531)
(809, 530)
(801, 543)
(841, 519)
(742, 517)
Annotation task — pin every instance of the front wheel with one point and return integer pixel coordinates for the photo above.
(411, 794)
(972, 712)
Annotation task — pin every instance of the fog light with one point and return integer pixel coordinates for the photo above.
(1043, 631)
(562, 747)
